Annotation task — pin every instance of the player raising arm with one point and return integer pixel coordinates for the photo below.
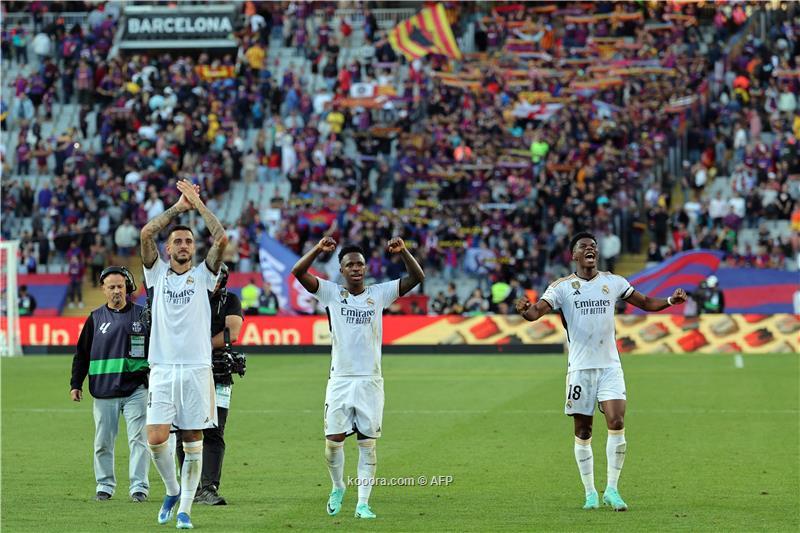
(354, 396)
(181, 383)
(585, 301)
(190, 199)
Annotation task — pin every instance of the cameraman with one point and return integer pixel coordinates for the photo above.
(226, 312)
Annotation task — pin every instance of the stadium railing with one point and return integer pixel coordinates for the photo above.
(387, 18)
(25, 20)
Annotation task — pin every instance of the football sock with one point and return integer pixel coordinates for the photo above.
(615, 452)
(164, 459)
(367, 462)
(585, 460)
(334, 456)
(190, 474)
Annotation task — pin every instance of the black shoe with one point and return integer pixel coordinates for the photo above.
(102, 496)
(209, 496)
(139, 497)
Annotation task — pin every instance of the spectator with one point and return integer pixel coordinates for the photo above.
(610, 248)
(267, 301)
(25, 302)
(126, 238)
(42, 47)
(654, 255)
(250, 298)
(438, 305)
(20, 41)
(451, 301)
(154, 206)
(98, 259)
(75, 269)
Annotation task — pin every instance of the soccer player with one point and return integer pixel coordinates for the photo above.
(354, 396)
(586, 301)
(181, 383)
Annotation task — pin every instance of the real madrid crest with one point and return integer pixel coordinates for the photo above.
(605, 289)
(576, 284)
(136, 327)
(344, 293)
(189, 280)
(370, 301)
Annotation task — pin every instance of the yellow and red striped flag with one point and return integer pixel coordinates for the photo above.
(428, 32)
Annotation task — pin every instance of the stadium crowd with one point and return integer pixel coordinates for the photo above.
(556, 124)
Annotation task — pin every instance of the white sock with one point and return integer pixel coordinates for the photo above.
(164, 458)
(615, 452)
(585, 460)
(367, 463)
(334, 456)
(190, 474)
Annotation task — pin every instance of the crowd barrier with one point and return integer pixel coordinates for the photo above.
(636, 334)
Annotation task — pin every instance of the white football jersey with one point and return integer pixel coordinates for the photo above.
(356, 324)
(181, 314)
(587, 310)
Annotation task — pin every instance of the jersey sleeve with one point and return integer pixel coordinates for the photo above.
(209, 279)
(156, 271)
(624, 288)
(387, 292)
(326, 292)
(553, 295)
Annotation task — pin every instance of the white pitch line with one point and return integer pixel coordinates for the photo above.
(461, 411)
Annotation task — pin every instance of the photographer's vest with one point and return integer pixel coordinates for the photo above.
(118, 359)
(712, 304)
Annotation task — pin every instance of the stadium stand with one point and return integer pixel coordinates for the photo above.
(661, 127)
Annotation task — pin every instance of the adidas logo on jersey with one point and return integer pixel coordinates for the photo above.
(577, 292)
(344, 301)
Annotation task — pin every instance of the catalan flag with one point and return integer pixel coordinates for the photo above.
(428, 32)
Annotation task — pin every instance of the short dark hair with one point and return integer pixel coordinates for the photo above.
(351, 249)
(579, 236)
(179, 227)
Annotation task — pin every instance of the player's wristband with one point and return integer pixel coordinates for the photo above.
(669, 301)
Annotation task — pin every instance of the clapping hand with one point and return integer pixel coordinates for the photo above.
(190, 195)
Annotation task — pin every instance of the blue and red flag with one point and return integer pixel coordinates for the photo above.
(746, 290)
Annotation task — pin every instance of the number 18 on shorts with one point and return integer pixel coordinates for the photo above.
(586, 388)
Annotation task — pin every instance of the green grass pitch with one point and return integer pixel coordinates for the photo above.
(710, 447)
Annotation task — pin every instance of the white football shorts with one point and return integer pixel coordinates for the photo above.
(588, 387)
(354, 404)
(182, 395)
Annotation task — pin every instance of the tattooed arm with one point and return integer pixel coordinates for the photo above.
(154, 227)
(214, 257)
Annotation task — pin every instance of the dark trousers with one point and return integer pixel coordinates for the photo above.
(213, 450)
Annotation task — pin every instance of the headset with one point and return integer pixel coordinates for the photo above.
(130, 283)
